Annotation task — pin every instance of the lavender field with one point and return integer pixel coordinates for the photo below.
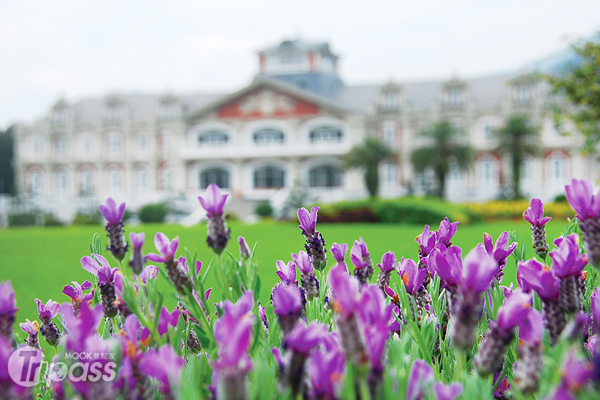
(314, 311)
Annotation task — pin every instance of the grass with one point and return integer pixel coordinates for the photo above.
(41, 261)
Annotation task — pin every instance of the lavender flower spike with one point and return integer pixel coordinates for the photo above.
(568, 263)
(420, 377)
(99, 267)
(165, 366)
(315, 245)
(360, 257)
(499, 251)
(387, 265)
(529, 367)
(32, 330)
(301, 341)
(137, 259)
(75, 292)
(287, 305)
(244, 248)
(535, 216)
(339, 253)
(310, 283)
(8, 309)
(534, 275)
(47, 312)
(114, 228)
(580, 195)
(218, 235)
(501, 332)
(479, 272)
(177, 273)
(447, 392)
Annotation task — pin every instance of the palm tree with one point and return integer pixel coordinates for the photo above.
(517, 138)
(445, 146)
(368, 155)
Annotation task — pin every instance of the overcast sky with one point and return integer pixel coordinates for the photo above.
(91, 48)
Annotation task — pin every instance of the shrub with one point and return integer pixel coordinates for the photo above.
(561, 198)
(87, 218)
(51, 220)
(22, 219)
(264, 210)
(153, 213)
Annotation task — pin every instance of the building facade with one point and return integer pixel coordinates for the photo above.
(288, 130)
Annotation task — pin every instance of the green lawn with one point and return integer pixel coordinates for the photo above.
(40, 261)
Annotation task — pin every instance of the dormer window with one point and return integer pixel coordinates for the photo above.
(455, 93)
(60, 113)
(523, 87)
(171, 108)
(114, 110)
(391, 100)
(268, 136)
(390, 96)
(209, 138)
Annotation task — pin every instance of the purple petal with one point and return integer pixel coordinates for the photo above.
(447, 392)
(90, 265)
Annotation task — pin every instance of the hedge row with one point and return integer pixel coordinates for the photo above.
(430, 210)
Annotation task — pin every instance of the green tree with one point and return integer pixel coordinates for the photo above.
(368, 155)
(445, 145)
(581, 87)
(517, 138)
(7, 174)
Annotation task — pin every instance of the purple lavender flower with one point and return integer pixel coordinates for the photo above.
(32, 330)
(325, 370)
(580, 195)
(427, 242)
(447, 392)
(218, 235)
(568, 263)
(360, 257)
(411, 275)
(165, 319)
(286, 272)
(163, 365)
(447, 263)
(339, 253)
(137, 259)
(500, 333)
(387, 265)
(347, 304)
(9, 390)
(75, 292)
(308, 279)
(315, 245)
(233, 334)
(177, 273)
(287, 305)
(479, 270)
(500, 251)
(262, 314)
(535, 216)
(47, 312)
(446, 232)
(244, 248)
(528, 368)
(8, 309)
(114, 228)
(534, 275)
(575, 374)
(99, 267)
(301, 341)
(420, 378)
(149, 272)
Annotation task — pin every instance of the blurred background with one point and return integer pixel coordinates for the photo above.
(150, 102)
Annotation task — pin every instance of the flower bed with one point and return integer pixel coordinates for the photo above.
(439, 325)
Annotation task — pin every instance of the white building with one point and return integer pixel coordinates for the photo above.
(289, 127)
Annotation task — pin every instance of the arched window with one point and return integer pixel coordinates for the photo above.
(86, 181)
(269, 177)
(326, 134)
(268, 136)
(213, 138)
(218, 176)
(325, 176)
(62, 181)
